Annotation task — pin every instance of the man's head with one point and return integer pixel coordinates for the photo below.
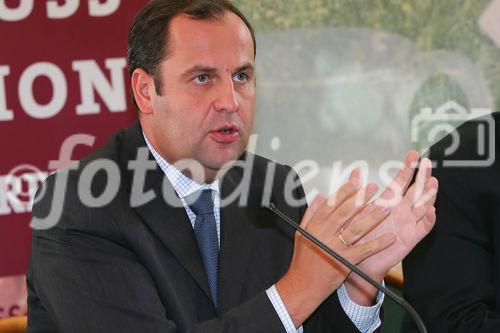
(192, 66)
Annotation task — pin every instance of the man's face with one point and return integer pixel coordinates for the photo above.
(207, 104)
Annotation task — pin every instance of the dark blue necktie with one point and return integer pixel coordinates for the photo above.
(205, 230)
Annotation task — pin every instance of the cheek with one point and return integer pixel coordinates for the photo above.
(169, 121)
(191, 106)
(247, 106)
(176, 109)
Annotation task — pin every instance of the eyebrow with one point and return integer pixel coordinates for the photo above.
(199, 68)
(212, 70)
(246, 67)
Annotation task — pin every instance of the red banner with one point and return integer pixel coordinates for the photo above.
(64, 89)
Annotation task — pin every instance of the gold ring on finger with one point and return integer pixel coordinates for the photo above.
(342, 238)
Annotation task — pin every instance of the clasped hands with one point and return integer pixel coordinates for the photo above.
(373, 233)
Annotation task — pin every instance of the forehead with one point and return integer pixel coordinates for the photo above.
(192, 39)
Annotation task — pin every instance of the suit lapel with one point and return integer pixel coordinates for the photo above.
(169, 222)
(172, 226)
(237, 241)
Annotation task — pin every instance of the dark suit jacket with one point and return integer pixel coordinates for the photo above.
(453, 276)
(121, 269)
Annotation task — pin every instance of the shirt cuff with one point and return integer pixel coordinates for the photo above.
(365, 318)
(281, 310)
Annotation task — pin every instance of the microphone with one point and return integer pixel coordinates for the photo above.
(399, 300)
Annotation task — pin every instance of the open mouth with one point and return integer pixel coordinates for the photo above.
(226, 134)
(226, 130)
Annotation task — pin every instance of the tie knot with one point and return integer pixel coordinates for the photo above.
(201, 202)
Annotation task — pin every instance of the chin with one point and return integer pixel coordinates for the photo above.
(222, 161)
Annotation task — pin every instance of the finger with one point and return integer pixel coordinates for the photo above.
(347, 190)
(357, 229)
(352, 206)
(427, 199)
(363, 213)
(343, 193)
(416, 190)
(363, 196)
(360, 252)
(401, 181)
(311, 210)
(425, 225)
(355, 176)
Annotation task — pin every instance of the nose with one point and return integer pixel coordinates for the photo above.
(226, 99)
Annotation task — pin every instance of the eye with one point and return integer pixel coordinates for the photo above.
(242, 77)
(201, 79)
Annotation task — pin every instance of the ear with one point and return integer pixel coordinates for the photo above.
(143, 88)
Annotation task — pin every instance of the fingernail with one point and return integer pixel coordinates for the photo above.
(435, 182)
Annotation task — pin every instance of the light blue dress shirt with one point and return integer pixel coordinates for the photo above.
(366, 319)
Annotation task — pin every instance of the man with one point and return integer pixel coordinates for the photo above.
(453, 277)
(172, 251)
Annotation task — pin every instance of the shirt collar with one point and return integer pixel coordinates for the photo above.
(182, 184)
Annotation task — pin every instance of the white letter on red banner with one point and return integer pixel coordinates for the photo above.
(5, 114)
(103, 9)
(59, 88)
(91, 77)
(55, 11)
(16, 14)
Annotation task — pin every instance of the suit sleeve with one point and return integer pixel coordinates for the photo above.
(80, 280)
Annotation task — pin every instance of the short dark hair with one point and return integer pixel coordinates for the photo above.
(148, 38)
